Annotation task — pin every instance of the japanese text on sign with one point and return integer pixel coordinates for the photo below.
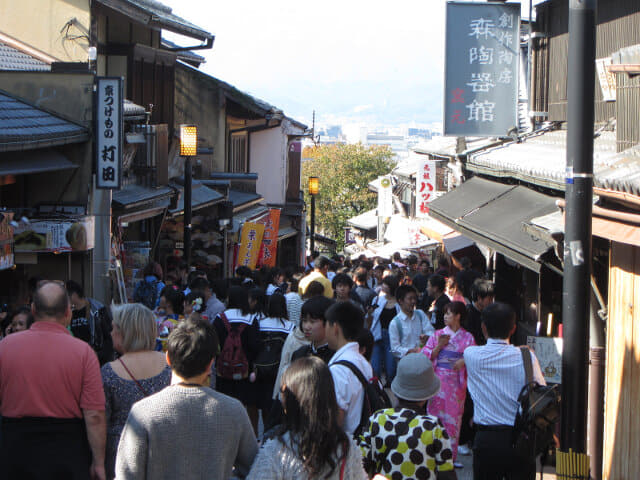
(481, 84)
(109, 132)
(425, 186)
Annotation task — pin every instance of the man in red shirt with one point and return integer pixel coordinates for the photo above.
(51, 397)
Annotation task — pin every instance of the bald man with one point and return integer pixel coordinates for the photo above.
(51, 397)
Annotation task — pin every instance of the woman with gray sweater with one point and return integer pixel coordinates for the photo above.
(310, 444)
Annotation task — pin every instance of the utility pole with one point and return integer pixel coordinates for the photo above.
(576, 292)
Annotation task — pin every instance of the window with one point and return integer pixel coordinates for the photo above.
(238, 153)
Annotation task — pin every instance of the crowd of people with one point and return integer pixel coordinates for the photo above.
(266, 375)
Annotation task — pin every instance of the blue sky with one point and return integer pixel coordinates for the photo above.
(376, 62)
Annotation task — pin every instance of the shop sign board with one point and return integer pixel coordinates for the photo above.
(548, 350)
(385, 196)
(250, 241)
(109, 132)
(481, 68)
(7, 258)
(57, 236)
(425, 187)
(269, 251)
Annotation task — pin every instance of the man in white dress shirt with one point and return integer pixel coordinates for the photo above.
(344, 323)
(496, 377)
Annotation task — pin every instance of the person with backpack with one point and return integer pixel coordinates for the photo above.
(405, 441)
(343, 324)
(496, 376)
(238, 331)
(274, 329)
(147, 291)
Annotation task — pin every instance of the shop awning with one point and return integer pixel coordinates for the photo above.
(34, 161)
(494, 214)
(201, 197)
(24, 126)
(131, 196)
(365, 221)
(242, 200)
(553, 225)
(287, 232)
(135, 202)
(247, 215)
(405, 234)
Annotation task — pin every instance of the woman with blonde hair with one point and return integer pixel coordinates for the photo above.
(137, 373)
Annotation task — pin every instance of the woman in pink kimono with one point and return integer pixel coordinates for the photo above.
(445, 348)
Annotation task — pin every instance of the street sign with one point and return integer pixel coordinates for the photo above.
(385, 197)
(109, 132)
(481, 70)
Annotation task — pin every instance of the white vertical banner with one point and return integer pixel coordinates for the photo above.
(425, 186)
(385, 197)
(109, 132)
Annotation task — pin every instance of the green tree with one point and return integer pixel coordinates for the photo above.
(344, 172)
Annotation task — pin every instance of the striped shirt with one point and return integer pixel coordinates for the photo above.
(496, 377)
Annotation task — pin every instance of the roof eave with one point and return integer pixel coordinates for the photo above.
(27, 144)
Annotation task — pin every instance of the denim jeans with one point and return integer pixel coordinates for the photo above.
(382, 355)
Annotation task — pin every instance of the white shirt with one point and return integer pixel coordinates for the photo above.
(495, 378)
(294, 306)
(404, 331)
(349, 390)
(270, 324)
(271, 289)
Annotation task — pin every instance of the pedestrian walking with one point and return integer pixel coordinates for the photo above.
(310, 444)
(140, 371)
(445, 349)
(405, 442)
(187, 431)
(383, 309)
(344, 322)
(496, 377)
(410, 328)
(51, 398)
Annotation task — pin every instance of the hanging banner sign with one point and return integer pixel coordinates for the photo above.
(481, 70)
(425, 186)
(109, 132)
(250, 241)
(7, 258)
(271, 224)
(57, 236)
(385, 197)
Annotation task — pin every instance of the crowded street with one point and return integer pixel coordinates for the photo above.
(346, 241)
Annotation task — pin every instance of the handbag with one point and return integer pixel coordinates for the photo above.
(144, 392)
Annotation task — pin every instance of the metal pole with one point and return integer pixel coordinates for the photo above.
(312, 241)
(577, 252)
(187, 210)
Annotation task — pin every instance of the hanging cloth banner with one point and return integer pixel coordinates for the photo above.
(250, 241)
(269, 250)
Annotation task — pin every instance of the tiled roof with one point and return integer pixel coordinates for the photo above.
(13, 59)
(25, 126)
(158, 15)
(541, 160)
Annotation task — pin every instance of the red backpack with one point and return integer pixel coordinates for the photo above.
(232, 362)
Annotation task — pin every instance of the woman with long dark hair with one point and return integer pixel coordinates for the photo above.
(234, 365)
(310, 443)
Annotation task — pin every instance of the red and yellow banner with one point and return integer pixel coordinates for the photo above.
(250, 241)
(271, 224)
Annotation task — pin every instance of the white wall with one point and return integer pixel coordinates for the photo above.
(267, 158)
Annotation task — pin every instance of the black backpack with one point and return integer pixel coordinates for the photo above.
(375, 398)
(267, 361)
(538, 413)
